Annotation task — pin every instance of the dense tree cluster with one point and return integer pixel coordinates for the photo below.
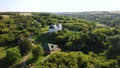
(14, 31)
(12, 55)
(85, 36)
(77, 60)
(96, 40)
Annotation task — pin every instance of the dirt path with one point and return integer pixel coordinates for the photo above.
(23, 62)
(45, 58)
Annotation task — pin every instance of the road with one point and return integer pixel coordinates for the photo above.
(45, 58)
(23, 62)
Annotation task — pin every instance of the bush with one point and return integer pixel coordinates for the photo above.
(37, 51)
(12, 55)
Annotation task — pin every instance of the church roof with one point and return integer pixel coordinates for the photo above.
(48, 46)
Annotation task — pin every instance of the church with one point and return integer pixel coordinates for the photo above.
(55, 27)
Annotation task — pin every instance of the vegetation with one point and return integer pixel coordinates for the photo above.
(107, 18)
(77, 60)
(37, 51)
(84, 43)
(25, 46)
(12, 55)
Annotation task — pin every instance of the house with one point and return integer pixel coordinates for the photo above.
(55, 27)
(50, 48)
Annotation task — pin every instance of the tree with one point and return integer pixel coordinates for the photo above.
(1, 17)
(12, 55)
(25, 46)
(43, 23)
(37, 51)
(115, 47)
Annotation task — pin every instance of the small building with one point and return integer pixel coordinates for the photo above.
(50, 48)
(55, 27)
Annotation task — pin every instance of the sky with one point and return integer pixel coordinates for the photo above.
(59, 5)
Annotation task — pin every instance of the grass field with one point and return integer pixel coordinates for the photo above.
(35, 61)
(5, 16)
(25, 14)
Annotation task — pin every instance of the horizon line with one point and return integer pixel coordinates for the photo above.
(66, 11)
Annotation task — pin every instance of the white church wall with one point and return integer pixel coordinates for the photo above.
(56, 28)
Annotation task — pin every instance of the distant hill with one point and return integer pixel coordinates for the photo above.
(111, 18)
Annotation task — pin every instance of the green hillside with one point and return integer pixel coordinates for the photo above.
(83, 43)
(103, 17)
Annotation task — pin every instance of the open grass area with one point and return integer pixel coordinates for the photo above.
(33, 61)
(5, 16)
(26, 14)
(16, 64)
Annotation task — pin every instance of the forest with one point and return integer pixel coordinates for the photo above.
(87, 39)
